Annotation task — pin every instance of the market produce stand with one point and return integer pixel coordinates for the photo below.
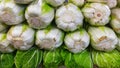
(59, 33)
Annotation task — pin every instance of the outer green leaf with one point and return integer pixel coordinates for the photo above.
(46, 8)
(63, 54)
(68, 59)
(6, 60)
(52, 59)
(28, 59)
(70, 62)
(106, 59)
(83, 59)
(79, 60)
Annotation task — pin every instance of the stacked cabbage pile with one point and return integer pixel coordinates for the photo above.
(59, 34)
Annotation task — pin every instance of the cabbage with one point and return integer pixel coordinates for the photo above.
(79, 60)
(106, 59)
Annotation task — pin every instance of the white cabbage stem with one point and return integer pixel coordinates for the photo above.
(103, 38)
(118, 45)
(110, 3)
(79, 3)
(69, 17)
(50, 38)
(39, 15)
(23, 1)
(96, 14)
(5, 46)
(11, 13)
(115, 21)
(21, 36)
(77, 41)
(55, 3)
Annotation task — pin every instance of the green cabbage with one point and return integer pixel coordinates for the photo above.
(28, 59)
(106, 59)
(7, 60)
(79, 60)
(52, 59)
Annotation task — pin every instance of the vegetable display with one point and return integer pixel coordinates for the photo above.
(59, 33)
